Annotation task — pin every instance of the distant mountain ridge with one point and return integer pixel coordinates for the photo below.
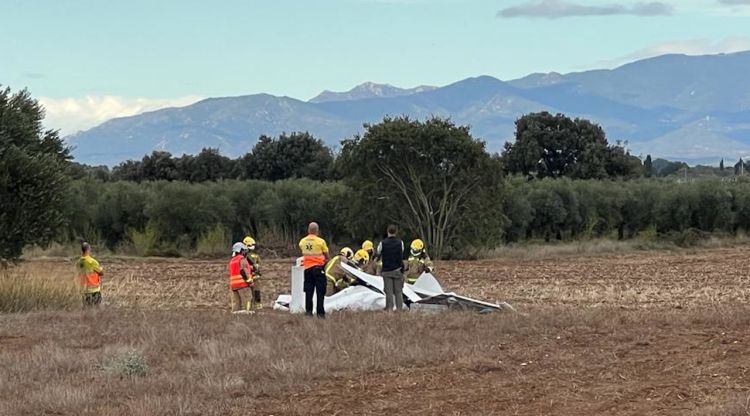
(368, 90)
(692, 108)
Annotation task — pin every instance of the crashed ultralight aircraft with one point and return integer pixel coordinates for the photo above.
(425, 294)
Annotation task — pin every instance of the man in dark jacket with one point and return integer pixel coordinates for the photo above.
(391, 253)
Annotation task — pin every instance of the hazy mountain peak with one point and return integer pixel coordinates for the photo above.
(669, 106)
(368, 90)
(539, 79)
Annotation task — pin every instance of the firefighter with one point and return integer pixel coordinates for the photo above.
(373, 264)
(419, 262)
(361, 259)
(335, 275)
(254, 259)
(240, 280)
(90, 277)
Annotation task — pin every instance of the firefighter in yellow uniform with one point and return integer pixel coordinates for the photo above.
(419, 262)
(361, 259)
(254, 259)
(335, 275)
(89, 277)
(373, 264)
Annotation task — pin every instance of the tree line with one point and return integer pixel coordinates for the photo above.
(295, 155)
(114, 214)
(559, 179)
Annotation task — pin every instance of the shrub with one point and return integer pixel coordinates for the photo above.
(127, 364)
(214, 242)
(25, 290)
(144, 242)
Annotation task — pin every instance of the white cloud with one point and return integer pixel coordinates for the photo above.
(71, 115)
(687, 47)
(555, 9)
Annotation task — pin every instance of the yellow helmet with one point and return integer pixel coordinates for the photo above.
(367, 245)
(346, 252)
(362, 256)
(249, 242)
(417, 245)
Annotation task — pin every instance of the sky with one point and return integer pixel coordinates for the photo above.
(91, 60)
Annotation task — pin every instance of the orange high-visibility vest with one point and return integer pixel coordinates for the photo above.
(91, 282)
(314, 251)
(235, 277)
(88, 275)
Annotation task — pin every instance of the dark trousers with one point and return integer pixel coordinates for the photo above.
(315, 283)
(92, 299)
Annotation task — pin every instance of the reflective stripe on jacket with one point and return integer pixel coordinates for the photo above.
(336, 274)
(236, 281)
(417, 266)
(314, 251)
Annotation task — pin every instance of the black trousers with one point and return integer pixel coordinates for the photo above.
(92, 299)
(315, 283)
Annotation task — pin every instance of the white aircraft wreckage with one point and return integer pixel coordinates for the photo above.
(425, 294)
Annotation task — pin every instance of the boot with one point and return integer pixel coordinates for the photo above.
(256, 299)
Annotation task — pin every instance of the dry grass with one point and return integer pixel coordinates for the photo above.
(606, 246)
(212, 363)
(736, 406)
(640, 333)
(32, 288)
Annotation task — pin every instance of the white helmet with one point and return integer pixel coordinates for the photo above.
(238, 248)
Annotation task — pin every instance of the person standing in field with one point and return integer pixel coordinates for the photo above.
(90, 276)
(314, 258)
(254, 259)
(391, 253)
(240, 280)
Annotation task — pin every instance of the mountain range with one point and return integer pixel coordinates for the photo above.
(690, 108)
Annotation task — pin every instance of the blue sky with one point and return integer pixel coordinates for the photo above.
(119, 57)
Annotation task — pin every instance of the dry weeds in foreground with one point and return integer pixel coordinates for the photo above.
(32, 288)
(561, 361)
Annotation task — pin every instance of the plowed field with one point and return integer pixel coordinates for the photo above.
(662, 333)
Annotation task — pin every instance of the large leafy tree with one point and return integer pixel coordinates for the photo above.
(554, 146)
(430, 176)
(33, 182)
(297, 155)
(208, 165)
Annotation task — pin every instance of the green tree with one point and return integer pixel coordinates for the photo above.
(648, 166)
(554, 146)
(208, 165)
(298, 155)
(129, 170)
(158, 166)
(427, 172)
(33, 181)
(721, 165)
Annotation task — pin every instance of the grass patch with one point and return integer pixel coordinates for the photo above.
(126, 364)
(143, 243)
(214, 242)
(673, 242)
(31, 289)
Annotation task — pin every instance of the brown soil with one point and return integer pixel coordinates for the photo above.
(642, 333)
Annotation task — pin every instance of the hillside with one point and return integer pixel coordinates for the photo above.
(696, 107)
